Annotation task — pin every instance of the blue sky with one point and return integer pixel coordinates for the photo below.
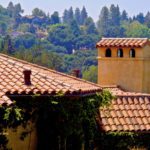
(93, 6)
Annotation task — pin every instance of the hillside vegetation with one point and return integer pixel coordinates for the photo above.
(68, 42)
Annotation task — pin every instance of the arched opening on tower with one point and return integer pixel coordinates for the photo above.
(108, 52)
(120, 52)
(132, 53)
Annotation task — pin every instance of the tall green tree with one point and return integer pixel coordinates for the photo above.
(3, 28)
(55, 18)
(147, 19)
(124, 16)
(3, 11)
(10, 9)
(38, 12)
(74, 28)
(103, 22)
(77, 15)
(18, 10)
(65, 16)
(84, 15)
(114, 15)
(70, 14)
(61, 35)
(140, 18)
(90, 74)
(7, 47)
(90, 26)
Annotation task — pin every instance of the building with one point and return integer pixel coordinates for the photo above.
(20, 79)
(124, 69)
(124, 62)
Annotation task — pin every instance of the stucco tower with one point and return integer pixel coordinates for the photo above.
(124, 62)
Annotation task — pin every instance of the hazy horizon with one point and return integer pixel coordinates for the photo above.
(93, 6)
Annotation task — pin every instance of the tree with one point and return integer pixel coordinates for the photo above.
(61, 35)
(84, 15)
(90, 74)
(3, 28)
(103, 22)
(114, 15)
(38, 12)
(147, 19)
(124, 16)
(77, 16)
(26, 40)
(52, 60)
(14, 10)
(70, 15)
(90, 26)
(140, 18)
(24, 27)
(74, 28)
(65, 16)
(85, 41)
(1, 44)
(7, 45)
(18, 10)
(55, 18)
(3, 11)
(10, 9)
(135, 29)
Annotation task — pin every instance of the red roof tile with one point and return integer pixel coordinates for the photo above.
(43, 80)
(128, 112)
(122, 42)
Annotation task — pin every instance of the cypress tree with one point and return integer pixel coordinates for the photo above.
(90, 26)
(140, 18)
(70, 15)
(65, 16)
(84, 15)
(147, 19)
(114, 15)
(103, 22)
(77, 16)
(55, 18)
(10, 9)
(124, 15)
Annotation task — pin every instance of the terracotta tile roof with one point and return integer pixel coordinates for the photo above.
(128, 112)
(43, 80)
(118, 91)
(122, 42)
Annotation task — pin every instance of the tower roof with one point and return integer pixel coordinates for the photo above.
(123, 42)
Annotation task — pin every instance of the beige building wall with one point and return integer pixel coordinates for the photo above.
(29, 142)
(146, 76)
(132, 74)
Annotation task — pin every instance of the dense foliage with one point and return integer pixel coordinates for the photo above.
(123, 141)
(66, 123)
(70, 39)
(62, 122)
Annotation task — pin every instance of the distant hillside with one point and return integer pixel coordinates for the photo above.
(68, 42)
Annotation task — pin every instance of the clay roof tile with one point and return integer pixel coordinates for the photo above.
(130, 112)
(122, 42)
(43, 80)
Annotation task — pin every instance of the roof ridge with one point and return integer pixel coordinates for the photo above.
(123, 38)
(48, 69)
(133, 95)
